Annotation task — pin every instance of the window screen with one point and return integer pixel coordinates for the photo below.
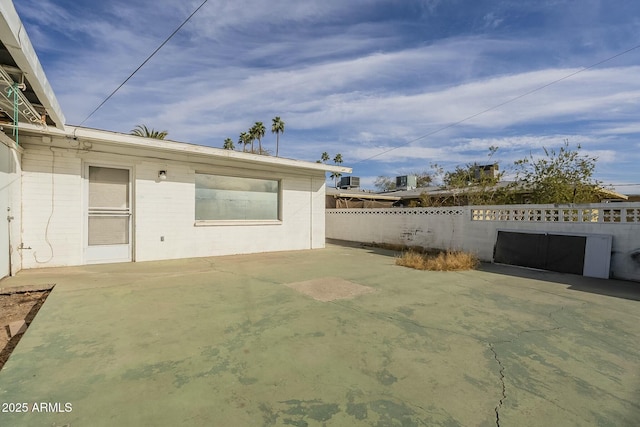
(108, 187)
(232, 198)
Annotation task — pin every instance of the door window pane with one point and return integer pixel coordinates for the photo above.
(108, 187)
(108, 230)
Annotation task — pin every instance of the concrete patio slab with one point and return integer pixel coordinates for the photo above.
(223, 341)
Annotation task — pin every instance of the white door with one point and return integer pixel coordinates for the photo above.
(108, 215)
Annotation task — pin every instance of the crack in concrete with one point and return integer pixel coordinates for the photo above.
(501, 370)
(504, 389)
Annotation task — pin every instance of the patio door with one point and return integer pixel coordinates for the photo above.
(108, 215)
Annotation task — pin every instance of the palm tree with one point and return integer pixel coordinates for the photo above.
(257, 131)
(228, 144)
(143, 131)
(336, 175)
(244, 140)
(277, 127)
(250, 137)
(324, 157)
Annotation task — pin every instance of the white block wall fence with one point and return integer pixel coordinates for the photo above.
(475, 228)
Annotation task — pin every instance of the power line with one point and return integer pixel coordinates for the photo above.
(144, 62)
(473, 116)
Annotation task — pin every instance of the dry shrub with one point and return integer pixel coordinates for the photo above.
(443, 261)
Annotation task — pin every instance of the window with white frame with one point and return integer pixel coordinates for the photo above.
(230, 198)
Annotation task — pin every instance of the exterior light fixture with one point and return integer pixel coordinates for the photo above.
(162, 175)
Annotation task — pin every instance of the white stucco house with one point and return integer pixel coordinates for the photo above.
(73, 195)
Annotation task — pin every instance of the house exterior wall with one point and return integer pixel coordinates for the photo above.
(163, 222)
(10, 201)
(52, 208)
(474, 228)
(167, 208)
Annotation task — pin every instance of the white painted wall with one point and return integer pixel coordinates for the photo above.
(167, 208)
(10, 190)
(453, 228)
(54, 209)
(52, 213)
(430, 228)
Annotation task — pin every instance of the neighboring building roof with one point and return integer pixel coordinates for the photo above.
(612, 194)
(439, 191)
(19, 63)
(120, 143)
(359, 194)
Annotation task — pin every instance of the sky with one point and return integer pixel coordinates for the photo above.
(395, 86)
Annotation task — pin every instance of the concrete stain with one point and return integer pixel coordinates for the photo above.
(407, 311)
(151, 370)
(296, 423)
(210, 352)
(247, 381)
(180, 380)
(296, 411)
(391, 413)
(357, 410)
(385, 377)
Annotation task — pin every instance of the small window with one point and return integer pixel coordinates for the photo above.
(228, 198)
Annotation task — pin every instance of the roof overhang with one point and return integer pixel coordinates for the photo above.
(20, 65)
(83, 139)
(361, 195)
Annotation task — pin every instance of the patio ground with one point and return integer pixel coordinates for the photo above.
(223, 342)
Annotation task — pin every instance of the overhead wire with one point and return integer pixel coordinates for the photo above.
(144, 62)
(502, 104)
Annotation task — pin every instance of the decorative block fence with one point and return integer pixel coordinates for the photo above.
(475, 228)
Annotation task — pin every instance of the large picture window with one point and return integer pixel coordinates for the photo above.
(222, 198)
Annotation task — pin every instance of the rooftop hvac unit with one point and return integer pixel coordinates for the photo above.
(347, 182)
(486, 171)
(406, 182)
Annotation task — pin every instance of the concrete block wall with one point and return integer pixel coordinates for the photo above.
(440, 228)
(52, 214)
(453, 228)
(167, 208)
(163, 227)
(10, 201)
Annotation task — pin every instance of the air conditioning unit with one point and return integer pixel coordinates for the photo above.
(486, 171)
(347, 182)
(406, 182)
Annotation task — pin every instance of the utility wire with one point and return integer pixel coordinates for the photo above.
(473, 116)
(145, 61)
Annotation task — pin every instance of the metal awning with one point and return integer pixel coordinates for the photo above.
(20, 69)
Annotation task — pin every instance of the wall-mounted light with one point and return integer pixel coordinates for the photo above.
(162, 175)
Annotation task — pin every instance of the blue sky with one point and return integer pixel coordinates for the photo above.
(358, 77)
